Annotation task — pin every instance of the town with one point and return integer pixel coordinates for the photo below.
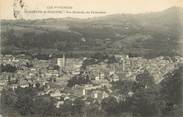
(87, 78)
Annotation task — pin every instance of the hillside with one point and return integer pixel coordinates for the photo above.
(148, 35)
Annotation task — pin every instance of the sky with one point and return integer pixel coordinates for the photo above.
(101, 7)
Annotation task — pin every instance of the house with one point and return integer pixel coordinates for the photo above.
(59, 103)
(56, 94)
(98, 94)
(24, 83)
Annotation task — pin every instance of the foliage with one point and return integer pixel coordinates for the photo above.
(146, 102)
(171, 90)
(109, 105)
(78, 80)
(8, 68)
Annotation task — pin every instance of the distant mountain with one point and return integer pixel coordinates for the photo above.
(150, 35)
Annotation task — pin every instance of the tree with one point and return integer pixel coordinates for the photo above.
(79, 80)
(66, 110)
(92, 110)
(78, 106)
(123, 87)
(146, 102)
(171, 89)
(24, 103)
(109, 105)
(8, 98)
(44, 106)
(8, 68)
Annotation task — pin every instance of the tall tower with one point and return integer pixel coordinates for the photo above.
(59, 63)
(123, 64)
(84, 92)
(63, 60)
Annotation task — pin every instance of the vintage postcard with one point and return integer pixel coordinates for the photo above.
(91, 58)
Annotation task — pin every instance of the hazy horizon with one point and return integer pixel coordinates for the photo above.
(80, 18)
(109, 6)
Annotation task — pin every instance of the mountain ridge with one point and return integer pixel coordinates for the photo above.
(150, 34)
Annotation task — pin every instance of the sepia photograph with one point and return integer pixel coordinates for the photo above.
(91, 58)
